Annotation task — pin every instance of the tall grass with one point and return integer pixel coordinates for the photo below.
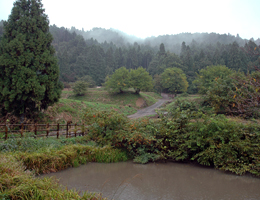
(18, 183)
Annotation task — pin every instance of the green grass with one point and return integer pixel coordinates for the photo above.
(99, 95)
(27, 144)
(71, 107)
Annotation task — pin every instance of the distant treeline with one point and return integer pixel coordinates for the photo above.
(99, 52)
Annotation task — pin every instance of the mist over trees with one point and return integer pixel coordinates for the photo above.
(98, 53)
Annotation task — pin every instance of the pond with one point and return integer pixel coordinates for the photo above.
(127, 181)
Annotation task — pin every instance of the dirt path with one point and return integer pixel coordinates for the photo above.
(151, 109)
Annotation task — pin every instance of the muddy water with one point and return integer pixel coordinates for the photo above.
(177, 181)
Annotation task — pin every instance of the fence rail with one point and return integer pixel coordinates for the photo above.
(41, 130)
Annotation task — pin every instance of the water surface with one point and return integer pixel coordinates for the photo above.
(153, 181)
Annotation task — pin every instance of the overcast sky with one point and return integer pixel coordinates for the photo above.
(145, 18)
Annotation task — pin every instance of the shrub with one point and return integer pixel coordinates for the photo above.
(103, 125)
(80, 88)
(236, 94)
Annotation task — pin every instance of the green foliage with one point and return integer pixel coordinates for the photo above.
(122, 79)
(185, 134)
(140, 80)
(206, 77)
(173, 80)
(89, 80)
(28, 67)
(119, 81)
(157, 83)
(80, 88)
(103, 125)
(237, 94)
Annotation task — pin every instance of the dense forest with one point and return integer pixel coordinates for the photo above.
(99, 52)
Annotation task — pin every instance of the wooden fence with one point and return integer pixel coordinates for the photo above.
(41, 130)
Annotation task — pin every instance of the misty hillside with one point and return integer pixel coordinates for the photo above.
(109, 35)
(171, 42)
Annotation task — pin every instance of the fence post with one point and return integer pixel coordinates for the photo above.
(35, 130)
(22, 130)
(6, 131)
(83, 129)
(67, 130)
(58, 129)
(47, 130)
(75, 130)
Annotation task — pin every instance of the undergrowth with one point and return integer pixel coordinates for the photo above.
(186, 133)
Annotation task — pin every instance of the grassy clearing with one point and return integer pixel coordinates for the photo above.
(72, 110)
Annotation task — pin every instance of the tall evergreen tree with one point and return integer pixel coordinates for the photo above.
(28, 68)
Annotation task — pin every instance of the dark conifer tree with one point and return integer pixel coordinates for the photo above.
(28, 68)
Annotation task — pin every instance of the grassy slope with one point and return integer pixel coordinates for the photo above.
(71, 107)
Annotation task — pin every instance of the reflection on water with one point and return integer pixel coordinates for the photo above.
(126, 181)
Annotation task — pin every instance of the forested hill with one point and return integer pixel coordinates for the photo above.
(98, 53)
(117, 37)
(171, 42)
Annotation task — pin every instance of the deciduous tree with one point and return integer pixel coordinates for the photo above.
(119, 81)
(80, 88)
(206, 77)
(140, 80)
(174, 81)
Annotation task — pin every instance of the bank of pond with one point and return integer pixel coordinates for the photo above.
(18, 170)
(183, 136)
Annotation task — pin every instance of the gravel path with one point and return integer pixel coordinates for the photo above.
(151, 109)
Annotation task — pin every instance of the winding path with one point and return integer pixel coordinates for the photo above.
(151, 109)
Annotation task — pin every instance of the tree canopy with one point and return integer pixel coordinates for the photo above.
(174, 81)
(122, 79)
(119, 81)
(140, 80)
(28, 67)
(206, 77)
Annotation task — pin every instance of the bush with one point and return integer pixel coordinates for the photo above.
(103, 125)
(236, 94)
(185, 134)
(89, 80)
(80, 88)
